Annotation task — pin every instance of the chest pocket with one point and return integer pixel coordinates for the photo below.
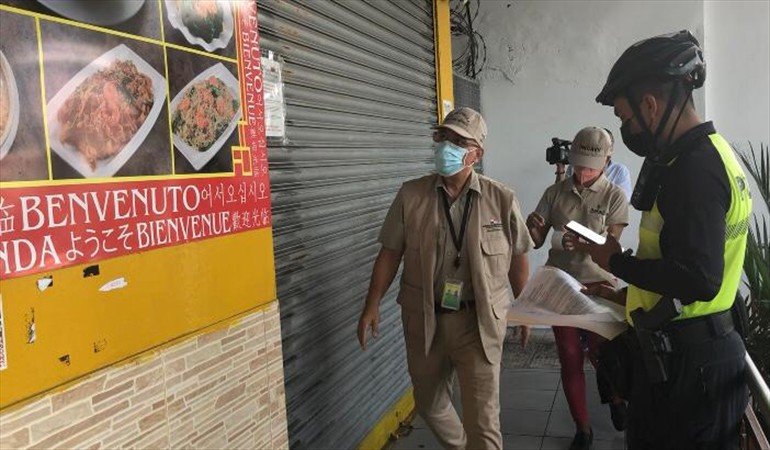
(496, 251)
(596, 219)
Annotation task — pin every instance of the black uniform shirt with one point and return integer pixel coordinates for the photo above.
(693, 200)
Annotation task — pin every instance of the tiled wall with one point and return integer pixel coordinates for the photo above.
(221, 389)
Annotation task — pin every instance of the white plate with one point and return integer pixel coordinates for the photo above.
(6, 139)
(105, 167)
(172, 12)
(197, 158)
(98, 13)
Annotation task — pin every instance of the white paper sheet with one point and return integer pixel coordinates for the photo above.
(272, 90)
(553, 297)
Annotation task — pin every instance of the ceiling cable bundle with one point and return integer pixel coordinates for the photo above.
(461, 20)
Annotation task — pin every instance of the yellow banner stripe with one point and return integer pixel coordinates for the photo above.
(69, 182)
(43, 96)
(200, 52)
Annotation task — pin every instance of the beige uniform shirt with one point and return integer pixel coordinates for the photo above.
(393, 235)
(598, 207)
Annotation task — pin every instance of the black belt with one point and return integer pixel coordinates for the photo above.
(687, 332)
(463, 306)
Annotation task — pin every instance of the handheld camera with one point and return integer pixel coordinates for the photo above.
(558, 152)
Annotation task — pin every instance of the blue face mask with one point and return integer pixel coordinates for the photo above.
(449, 158)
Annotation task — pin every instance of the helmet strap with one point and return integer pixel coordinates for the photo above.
(673, 97)
(679, 116)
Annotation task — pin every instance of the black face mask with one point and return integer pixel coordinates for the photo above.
(645, 144)
(642, 143)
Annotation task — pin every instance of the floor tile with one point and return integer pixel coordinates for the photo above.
(518, 442)
(530, 379)
(592, 399)
(560, 424)
(530, 423)
(526, 399)
(556, 443)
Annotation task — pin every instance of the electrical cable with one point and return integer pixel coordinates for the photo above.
(471, 60)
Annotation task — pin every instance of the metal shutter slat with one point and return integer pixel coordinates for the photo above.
(360, 95)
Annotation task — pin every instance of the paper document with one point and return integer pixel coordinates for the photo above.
(553, 297)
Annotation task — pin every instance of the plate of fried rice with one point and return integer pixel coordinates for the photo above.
(98, 120)
(204, 114)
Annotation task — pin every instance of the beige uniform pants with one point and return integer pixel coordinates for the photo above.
(457, 349)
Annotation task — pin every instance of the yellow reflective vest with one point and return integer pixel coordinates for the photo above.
(736, 232)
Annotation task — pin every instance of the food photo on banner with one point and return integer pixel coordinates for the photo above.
(206, 25)
(205, 110)
(139, 17)
(22, 137)
(141, 144)
(106, 99)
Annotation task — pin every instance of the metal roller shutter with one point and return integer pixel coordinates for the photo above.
(361, 100)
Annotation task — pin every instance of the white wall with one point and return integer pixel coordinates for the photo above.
(547, 60)
(738, 77)
(738, 80)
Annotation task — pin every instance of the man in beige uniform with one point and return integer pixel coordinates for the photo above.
(454, 292)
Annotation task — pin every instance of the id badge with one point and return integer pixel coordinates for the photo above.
(453, 290)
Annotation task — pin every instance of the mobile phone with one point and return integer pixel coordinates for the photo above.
(585, 233)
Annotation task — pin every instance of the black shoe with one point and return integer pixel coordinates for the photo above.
(618, 414)
(582, 441)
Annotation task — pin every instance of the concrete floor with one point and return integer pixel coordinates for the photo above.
(534, 412)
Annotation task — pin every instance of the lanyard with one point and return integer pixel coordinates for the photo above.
(457, 240)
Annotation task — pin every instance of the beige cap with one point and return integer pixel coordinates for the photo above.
(590, 148)
(468, 123)
(612, 141)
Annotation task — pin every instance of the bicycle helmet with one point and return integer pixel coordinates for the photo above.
(673, 55)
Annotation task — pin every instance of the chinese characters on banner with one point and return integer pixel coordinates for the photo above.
(195, 156)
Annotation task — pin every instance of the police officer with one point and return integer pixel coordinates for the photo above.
(689, 390)
(464, 242)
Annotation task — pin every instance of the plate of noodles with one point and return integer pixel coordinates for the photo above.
(9, 106)
(206, 23)
(98, 120)
(205, 113)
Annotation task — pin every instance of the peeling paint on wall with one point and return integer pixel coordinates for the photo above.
(44, 283)
(91, 271)
(100, 345)
(118, 283)
(31, 331)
